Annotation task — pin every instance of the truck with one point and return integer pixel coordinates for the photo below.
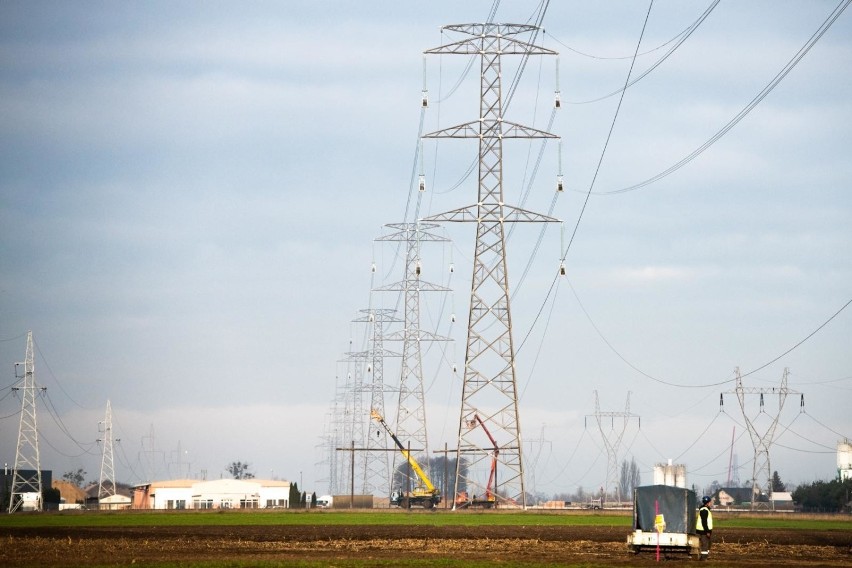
(325, 502)
(424, 494)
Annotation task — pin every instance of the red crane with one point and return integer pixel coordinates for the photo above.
(490, 499)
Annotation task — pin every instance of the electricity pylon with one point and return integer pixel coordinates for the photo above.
(334, 437)
(612, 443)
(376, 465)
(26, 475)
(106, 483)
(490, 389)
(761, 477)
(353, 413)
(411, 408)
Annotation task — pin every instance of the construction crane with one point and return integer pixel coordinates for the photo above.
(490, 499)
(424, 494)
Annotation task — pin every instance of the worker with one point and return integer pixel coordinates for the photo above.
(704, 527)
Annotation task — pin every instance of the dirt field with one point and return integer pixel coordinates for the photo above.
(593, 546)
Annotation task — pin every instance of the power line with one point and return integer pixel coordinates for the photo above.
(747, 109)
(683, 37)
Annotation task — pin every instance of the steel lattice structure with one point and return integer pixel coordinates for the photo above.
(490, 388)
(353, 417)
(761, 478)
(612, 442)
(26, 475)
(376, 466)
(106, 482)
(411, 409)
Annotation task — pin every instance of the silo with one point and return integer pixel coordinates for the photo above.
(673, 475)
(844, 459)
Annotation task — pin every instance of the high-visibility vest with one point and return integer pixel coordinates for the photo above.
(698, 525)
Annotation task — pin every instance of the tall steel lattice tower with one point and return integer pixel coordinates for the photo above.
(106, 482)
(26, 488)
(376, 465)
(490, 389)
(761, 478)
(411, 409)
(354, 417)
(612, 439)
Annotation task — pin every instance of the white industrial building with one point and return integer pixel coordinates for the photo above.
(216, 494)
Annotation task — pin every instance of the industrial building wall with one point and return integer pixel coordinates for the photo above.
(217, 494)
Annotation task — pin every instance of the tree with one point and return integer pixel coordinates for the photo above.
(630, 478)
(777, 484)
(824, 496)
(51, 497)
(239, 470)
(295, 496)
(313, 500)
(75, 477)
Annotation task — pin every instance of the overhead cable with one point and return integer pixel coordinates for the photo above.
(747, 109)
(658, 62)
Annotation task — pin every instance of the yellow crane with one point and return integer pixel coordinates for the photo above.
(424, 494)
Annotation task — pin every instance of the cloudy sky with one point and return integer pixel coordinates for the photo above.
(190, 195)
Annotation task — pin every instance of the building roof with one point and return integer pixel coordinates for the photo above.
(187, 483)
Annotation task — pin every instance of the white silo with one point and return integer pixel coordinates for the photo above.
(844, 460)
(673, 475)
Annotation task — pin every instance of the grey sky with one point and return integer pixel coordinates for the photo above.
(189, 194)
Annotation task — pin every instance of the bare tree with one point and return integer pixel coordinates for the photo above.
(75, 477)
(630, 478)
(239, 470)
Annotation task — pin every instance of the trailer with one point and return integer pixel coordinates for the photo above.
(664, 520)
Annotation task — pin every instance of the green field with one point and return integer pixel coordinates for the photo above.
(397, 517)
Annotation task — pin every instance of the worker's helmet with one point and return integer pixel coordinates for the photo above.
(705, 500)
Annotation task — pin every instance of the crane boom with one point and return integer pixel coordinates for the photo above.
(411, 461)
(489, 494)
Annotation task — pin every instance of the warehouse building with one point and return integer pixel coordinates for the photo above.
(216, 494)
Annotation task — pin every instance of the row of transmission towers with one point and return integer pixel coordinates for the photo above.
(26, 488)
(356, 449)
(489, 391)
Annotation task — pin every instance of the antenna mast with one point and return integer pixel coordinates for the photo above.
(490, 388)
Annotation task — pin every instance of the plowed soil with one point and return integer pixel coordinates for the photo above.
(500, 545)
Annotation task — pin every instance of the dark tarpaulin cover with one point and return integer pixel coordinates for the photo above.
(676, 504)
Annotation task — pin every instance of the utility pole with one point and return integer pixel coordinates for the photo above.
(612, 443)
(761, 478)
(106, 483)
(411, 408)
(26, 475)
(489, 388)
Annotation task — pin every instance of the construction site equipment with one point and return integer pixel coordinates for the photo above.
(424, 494)
(489, 500)
(664, 520)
